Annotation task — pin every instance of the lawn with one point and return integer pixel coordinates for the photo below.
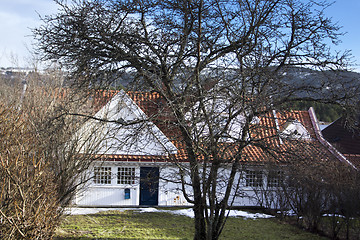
(131, 224)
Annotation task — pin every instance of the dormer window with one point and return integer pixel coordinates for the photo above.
(293, 129)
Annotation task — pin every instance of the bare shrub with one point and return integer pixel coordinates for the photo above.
(29, 205)
(42, 161)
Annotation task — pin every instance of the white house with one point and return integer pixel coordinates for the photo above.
(137, 155)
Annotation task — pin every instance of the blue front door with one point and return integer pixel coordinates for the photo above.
(149, 185)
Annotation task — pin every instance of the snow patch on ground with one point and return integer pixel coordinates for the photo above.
(185, 212)
(288, 213)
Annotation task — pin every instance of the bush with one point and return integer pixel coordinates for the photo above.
(29, 206)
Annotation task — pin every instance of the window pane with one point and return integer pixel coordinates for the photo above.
(126, 175)
(102, 175)
(254, 178)
(275, 178)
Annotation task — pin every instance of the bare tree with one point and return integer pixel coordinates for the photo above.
(217, 65)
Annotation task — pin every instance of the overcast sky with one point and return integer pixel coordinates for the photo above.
(16, 19)
(18, 16)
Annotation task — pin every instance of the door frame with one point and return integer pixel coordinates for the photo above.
(149, 186)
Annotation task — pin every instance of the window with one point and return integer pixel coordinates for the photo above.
(126, 175)
(275, 178)
(102, 175)
(254, 178)
(293, 129)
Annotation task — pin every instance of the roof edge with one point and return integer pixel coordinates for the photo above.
(324, 142)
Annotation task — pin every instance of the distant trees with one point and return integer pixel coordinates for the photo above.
(324, 112)
(216, 64)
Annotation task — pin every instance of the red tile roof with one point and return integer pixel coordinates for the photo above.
(354, 159)
(268, 148)
(302, 116)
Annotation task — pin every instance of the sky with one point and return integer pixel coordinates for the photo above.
(17, 17)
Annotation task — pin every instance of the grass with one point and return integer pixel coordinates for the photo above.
(134, 225)
(327, 222)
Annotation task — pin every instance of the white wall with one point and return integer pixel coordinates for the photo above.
(109, 194)
(170, 193)
(114, 194)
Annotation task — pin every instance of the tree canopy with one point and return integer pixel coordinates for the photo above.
(216, 63)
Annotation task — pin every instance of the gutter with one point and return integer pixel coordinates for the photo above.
(324, 142)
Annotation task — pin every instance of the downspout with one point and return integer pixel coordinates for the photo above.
(324, 142)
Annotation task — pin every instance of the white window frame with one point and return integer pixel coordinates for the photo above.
(126, 175)
(102, 175)
(254, 178)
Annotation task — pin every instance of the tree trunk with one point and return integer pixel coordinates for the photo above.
(199, 222)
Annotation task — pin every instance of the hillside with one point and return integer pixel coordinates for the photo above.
(293, 76)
